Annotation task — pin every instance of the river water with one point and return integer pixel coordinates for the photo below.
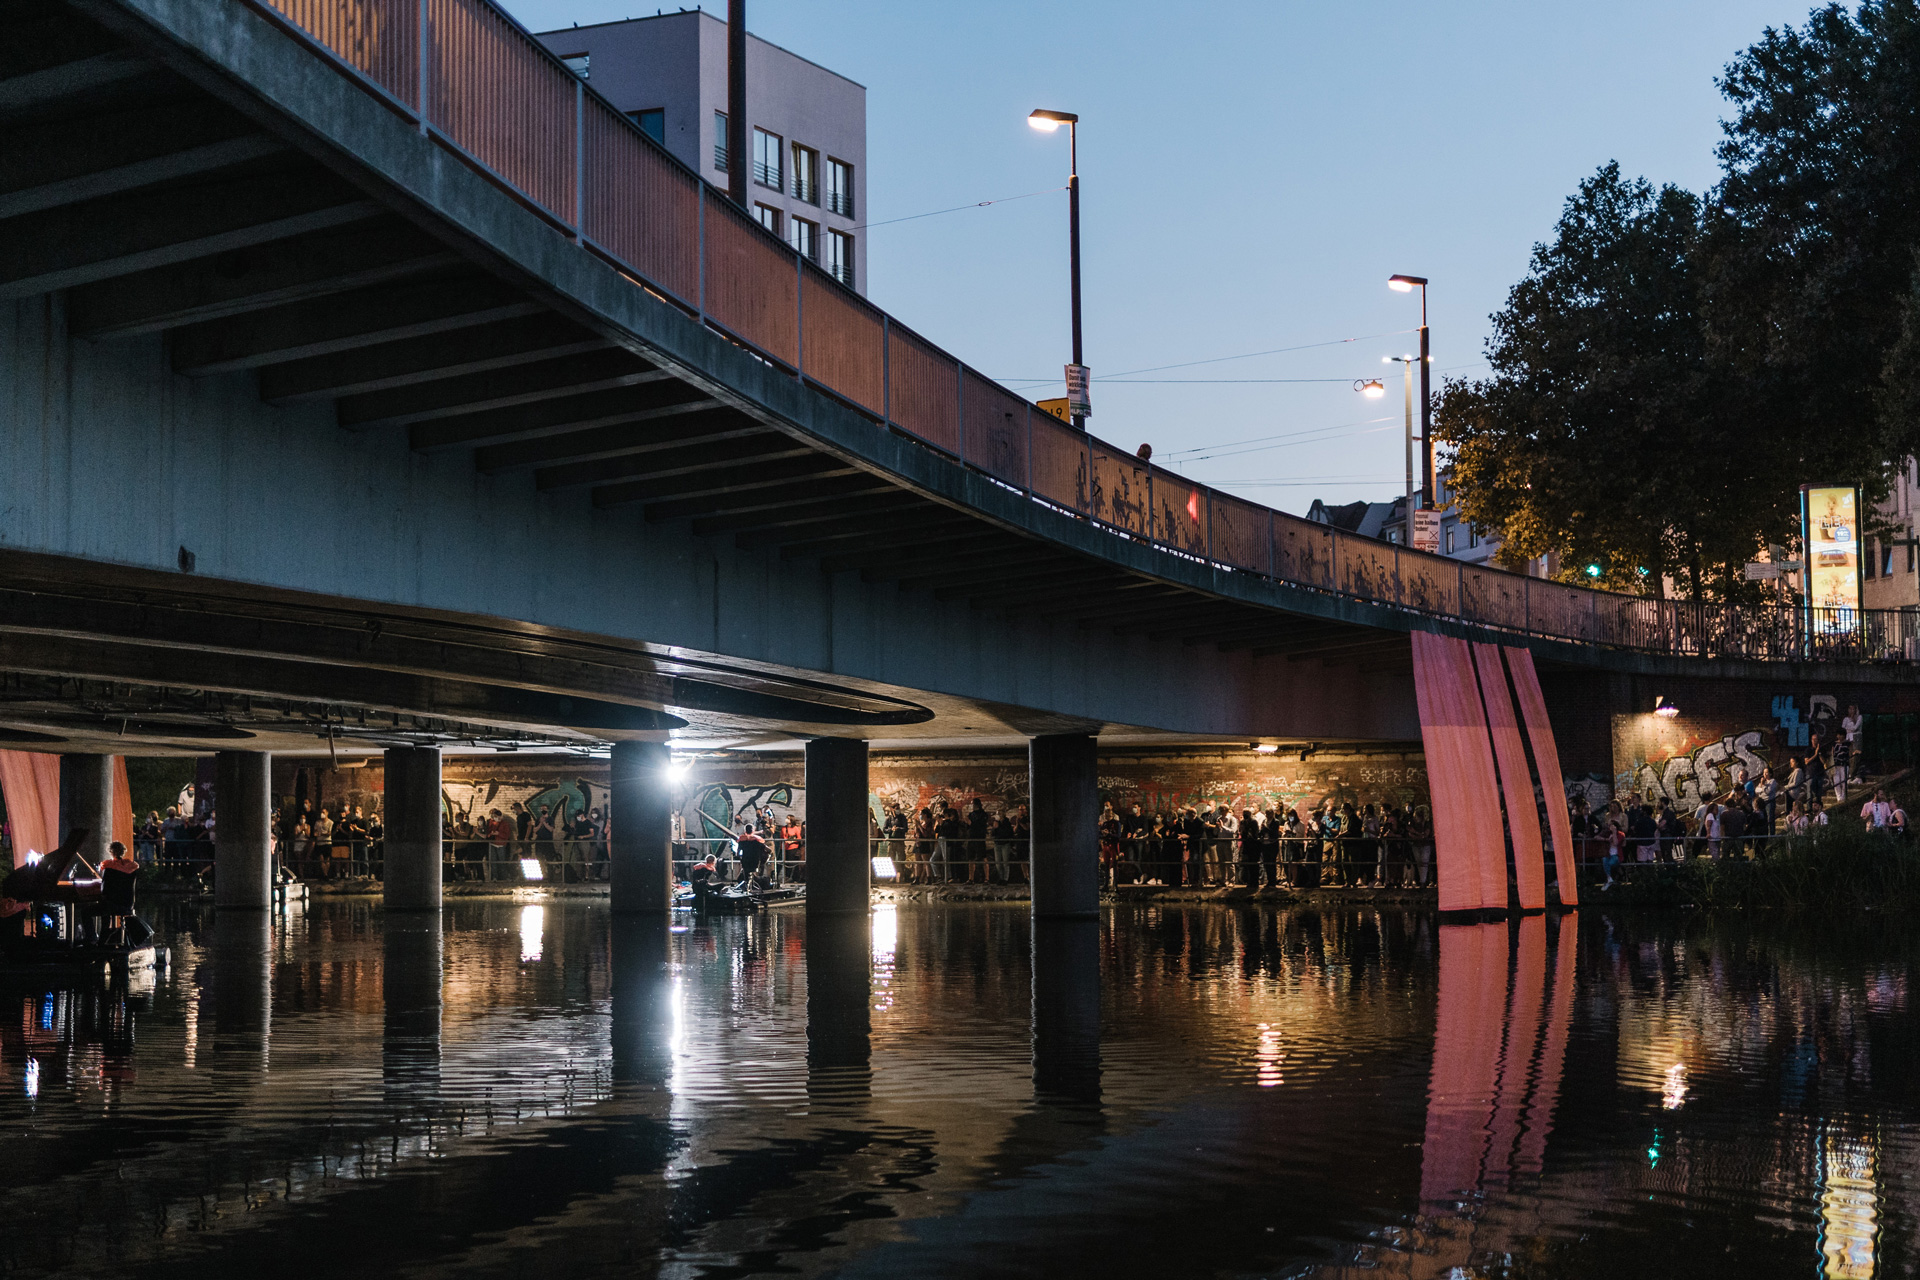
(536, 1090)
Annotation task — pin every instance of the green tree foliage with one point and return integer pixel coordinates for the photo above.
(1671, 369)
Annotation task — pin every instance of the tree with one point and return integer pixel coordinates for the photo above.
(1601, 434)
(1672, 370)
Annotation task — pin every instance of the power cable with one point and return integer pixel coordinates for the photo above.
(977, 204)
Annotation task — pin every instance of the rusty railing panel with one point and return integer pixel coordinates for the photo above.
(1240, 533)
(378, 38)
(996, 429)
(641, 207)
(753, 282)
(1062, 465)
(1302, 552)
(1119, 488)
(844, 341)
(925, 392)
(504, 100)
(1179, 513)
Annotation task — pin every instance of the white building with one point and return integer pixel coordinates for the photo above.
(806, 125)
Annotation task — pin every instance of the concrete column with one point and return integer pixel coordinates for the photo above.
(242, 830)
(641, 843)
(86, 800)
(1064, 779)
(839, 866)
(411, 874)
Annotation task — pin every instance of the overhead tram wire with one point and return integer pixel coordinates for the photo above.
(959, 208)
(1246, 355)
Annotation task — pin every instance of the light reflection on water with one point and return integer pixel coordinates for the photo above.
(948, 1091)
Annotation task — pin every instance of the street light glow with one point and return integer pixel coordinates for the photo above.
(1048, 121)
(1404, 284)
(1044, 126)
(1371, 388)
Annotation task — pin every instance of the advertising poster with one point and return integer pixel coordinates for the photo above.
(1830, 520)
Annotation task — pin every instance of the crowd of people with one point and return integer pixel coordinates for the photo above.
(943, 844)
(1216, 846)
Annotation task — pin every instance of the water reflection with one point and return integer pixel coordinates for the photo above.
(951, 1092)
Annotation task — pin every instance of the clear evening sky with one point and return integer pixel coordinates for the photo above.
(1251, 174)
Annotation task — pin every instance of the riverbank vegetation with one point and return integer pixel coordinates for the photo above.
(1843, 868)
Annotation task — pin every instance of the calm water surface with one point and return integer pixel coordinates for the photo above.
(534, 1090)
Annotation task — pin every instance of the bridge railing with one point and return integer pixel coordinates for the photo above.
(477, 82)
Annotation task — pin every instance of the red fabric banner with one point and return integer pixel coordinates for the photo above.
(122, 805)
(1546, 758)
(30, 786)
(1468, 841)
(1516, 779)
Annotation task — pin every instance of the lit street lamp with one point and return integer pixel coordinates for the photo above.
(1407, 284)
(1078, 402)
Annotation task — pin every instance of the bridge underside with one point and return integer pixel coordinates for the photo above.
(178, 250)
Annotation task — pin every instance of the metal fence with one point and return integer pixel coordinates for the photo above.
(478, 83)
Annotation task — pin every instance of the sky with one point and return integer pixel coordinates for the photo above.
(1251, 174)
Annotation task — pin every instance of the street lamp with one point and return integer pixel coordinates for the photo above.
(1078, 402)
(1407, 363)
(1407, 284)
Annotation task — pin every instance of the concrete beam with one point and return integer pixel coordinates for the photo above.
(345, 322)
(680, 470)
(669, 427)
(1058, 572)
(1006, 563)
(39, 87)
(641, 845)
(934, 524)
(428, 359)
(908, 551)
(807, 516)
(497, 389)
(803, 494)
(560, 416)
(118, 235)
(254, 278)
(703, 471)
(50, 163)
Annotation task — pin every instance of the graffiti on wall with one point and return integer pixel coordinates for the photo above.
(1355, 783)
(1001, 790)
(1697, 772)
(718, 810)
(478, 799)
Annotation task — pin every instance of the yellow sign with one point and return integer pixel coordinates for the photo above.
(1830, 523)
(1058, 408)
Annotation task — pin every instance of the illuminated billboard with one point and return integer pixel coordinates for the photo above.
(1830, 525)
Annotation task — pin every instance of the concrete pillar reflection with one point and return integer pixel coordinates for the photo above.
(1066, 1010)
(1064, 779)
(643, 1017)
(641, 841)
(243, 832)
(839, 1005)
(839, 855)
(240, 963)
(86, 800)
(411, 871)
(412, 976)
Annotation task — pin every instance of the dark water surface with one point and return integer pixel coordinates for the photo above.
(537, 1090)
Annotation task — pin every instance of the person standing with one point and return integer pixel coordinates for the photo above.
(979, 823)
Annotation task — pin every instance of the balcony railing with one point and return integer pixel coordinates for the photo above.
(767, 175)
(804, 189)
(485, 88)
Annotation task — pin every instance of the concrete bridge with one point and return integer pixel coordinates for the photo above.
(369, 380)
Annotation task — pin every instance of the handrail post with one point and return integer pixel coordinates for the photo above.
(579, 160)
(799, 316)
(1273, 560)
(1029, 408)
(426, 66)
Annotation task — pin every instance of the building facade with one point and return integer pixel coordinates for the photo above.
(1891, 563)
(806, 125)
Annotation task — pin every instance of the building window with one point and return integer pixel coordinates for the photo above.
(652, 122)
(1473, 536)
(805, 238)
(840, 188)
(766, 159)
(1450, 539)
(806, 174)
(720, 141)
(1867, 559)
(768, 217)
(840, 257)
(1886, 559)
(578, 63)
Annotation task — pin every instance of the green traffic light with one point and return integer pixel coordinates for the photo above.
(1593, 571)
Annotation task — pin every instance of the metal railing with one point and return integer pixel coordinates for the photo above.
(478, 83)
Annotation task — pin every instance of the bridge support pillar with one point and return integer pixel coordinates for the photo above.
(1064, 782)
(839, 855)
(411, 875)
(243, 833)
(86, 800)
(641, 844)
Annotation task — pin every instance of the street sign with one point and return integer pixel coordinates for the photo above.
(1079, 403)
(1058, 408)
(1762, 571)
(1426, 530)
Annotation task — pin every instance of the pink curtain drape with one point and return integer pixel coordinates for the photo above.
(1546, 757)
(1516, 779)
(1469, 844)
(30, 785)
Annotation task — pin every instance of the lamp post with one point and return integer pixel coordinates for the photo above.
(1078, 402)
(1407, 284)
(1406, 363)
